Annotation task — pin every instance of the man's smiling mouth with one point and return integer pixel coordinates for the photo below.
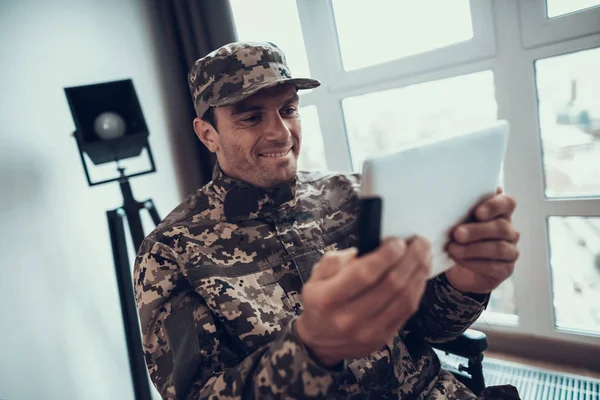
(275, 154)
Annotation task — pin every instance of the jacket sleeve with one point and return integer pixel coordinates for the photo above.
(189, 354)
(445, 312)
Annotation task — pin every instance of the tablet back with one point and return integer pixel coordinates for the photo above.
(428, 189)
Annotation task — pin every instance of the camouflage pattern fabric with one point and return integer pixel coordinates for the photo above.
(238, 70)
(218, 290)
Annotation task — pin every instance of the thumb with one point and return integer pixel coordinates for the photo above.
(499, 190)
(329, 266)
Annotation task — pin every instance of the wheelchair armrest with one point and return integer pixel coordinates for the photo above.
(470, 344)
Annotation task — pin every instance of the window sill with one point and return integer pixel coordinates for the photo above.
(507, 340)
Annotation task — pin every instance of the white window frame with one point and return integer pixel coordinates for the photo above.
(516, 96)
(537, 29)
(321, 39)
(508, 37)
(325, 62)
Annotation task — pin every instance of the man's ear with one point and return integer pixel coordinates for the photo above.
(207, 134)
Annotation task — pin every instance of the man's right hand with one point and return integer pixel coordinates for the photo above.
(354, 305)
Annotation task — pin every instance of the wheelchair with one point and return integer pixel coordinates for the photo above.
(470, 345)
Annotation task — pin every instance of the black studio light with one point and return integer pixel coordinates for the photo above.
(109, 128)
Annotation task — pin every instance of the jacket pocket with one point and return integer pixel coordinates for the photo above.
(251, 307)
(340, 239)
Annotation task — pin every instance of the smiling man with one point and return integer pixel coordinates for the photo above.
(262, 154)
(252, 287)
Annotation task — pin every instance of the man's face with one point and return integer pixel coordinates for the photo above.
(258, 139)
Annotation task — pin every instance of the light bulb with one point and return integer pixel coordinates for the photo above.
(109, 125)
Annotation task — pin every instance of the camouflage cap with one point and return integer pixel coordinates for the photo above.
(236, 71)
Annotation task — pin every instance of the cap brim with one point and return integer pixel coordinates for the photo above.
(300, 83)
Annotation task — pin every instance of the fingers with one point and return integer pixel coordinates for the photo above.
(374, 300)
(364, 272)
(327, 267)
(403, 307)
(495, 271)
(394, 300)
(383, 324)
(333, 263)
(417, 257)
(499, 250)
(496, 206)
(391, 281)
(499, 228)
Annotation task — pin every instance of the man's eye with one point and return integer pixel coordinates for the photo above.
(252, 118)
(289, 111)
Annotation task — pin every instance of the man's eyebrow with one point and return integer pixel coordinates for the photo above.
(241, 108)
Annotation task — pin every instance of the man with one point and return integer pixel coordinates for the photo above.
(252, 288)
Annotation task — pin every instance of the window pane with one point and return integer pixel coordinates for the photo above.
(273, 21)
(569, 113)
(392, 119)
(502, 300)
(575, 264)
(562, 7)
(312, 150)
(376, 31)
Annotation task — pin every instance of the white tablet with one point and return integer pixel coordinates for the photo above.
(428, 189)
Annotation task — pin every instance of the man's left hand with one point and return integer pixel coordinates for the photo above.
(486, 250)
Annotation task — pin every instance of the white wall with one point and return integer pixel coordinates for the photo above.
(61, 335)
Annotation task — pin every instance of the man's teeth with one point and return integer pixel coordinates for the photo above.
(274, 155)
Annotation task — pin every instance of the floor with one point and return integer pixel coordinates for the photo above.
(545, 365)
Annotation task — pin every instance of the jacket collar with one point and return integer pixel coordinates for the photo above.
(242, 200)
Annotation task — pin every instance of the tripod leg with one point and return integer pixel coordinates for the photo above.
(137, 364)
(149, 204)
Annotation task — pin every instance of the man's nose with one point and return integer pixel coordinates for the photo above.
(276, 128)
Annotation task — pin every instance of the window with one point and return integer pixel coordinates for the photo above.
(543, 22)
(312, 150)
(384, 24)
(261, 21)
(557, 8)
(395, 72)
(575, 263)
(502, 302)
(392, 119)
(569, 113)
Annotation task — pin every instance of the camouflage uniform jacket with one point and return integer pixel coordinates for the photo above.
(217, 287)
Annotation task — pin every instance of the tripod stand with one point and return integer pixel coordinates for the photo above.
(130, 210)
